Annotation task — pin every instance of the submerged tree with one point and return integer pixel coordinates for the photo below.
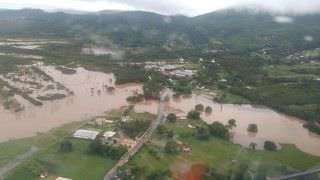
(270, 146)
(252, 128)
(208, 109)
(199, 107)
(253, 145)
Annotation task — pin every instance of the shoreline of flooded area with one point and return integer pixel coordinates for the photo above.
(272, 126)
(96, 93)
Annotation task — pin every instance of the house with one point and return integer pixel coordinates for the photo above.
(186, 149)
(102, 121)
(182, 73)
(127, 142)
(109, 134)
(86, 134)
(62, 178)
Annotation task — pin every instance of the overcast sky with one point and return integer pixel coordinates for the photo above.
(186, 7)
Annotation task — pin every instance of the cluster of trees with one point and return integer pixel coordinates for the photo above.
(152, 88)
(163, 130)
(313, 127)
(171, 147)
(216, 129)
(182, 87)
(134, 128)
(130, 73)
(97, 147)
(135, 99)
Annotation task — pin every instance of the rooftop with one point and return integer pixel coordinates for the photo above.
(86, 134)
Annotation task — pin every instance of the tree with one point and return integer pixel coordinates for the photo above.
(203, 133)
(193, 114)
(232, 123)
(95, 147)
(208, 109)
(253, 145)
(252, 128)
(199, 107)
(116, 153)
(134, 128)
(162, 129)
(170, 134)
(171, 147)
(172, 118)
(65, 146)
(270, 146)
(219, 130)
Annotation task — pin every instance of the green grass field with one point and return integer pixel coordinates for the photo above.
(219, 154)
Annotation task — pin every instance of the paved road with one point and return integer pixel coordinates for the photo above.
(19, 159)
(296, 175)
(144, 138)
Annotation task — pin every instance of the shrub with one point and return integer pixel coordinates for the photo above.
(65, 146)
(232, 123)
(208, 109)
(172, 118)
(270, 146)
(171, 147)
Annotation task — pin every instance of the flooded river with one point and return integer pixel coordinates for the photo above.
(91, 97)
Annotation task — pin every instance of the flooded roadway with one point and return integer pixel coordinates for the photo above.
(91, 97)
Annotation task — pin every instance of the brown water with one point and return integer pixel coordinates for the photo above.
(271, 125)
(91, 98)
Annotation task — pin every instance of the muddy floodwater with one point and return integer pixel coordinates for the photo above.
(273, 126)
(91, 97)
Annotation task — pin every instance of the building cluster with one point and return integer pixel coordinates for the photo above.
(108, 137)
(174, 70)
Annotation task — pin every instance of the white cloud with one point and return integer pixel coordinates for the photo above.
(188, 7)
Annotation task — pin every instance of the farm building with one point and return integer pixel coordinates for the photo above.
(109, 134)
(86, 134)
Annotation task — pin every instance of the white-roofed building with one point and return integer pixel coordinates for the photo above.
(62, 178)
(109, 134)
(86, 134)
